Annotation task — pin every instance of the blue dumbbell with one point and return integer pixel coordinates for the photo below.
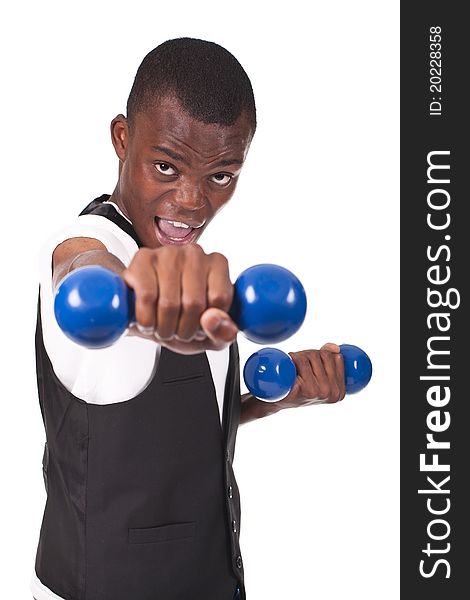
(93, 305)
(270, 374)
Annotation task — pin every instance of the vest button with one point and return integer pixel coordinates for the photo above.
(230, 491)
(234, 526)
(239, 562)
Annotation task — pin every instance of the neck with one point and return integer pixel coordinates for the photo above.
(116, 198)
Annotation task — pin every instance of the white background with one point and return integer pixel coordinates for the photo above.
(319, 195)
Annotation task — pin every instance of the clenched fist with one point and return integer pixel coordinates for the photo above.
(182, 298)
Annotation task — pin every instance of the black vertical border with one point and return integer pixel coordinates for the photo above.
(420, 134)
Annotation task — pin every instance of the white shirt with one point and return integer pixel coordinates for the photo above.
(106, 375)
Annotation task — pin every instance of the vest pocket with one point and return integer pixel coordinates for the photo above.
(45, 464)
(163, 533)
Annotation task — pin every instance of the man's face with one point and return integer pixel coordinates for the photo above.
(176, 173)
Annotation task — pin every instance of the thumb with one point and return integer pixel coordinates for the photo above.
(218, 326)
(331, 348)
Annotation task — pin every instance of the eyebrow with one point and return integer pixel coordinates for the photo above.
(175, 156)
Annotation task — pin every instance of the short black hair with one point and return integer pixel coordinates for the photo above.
(207, 79)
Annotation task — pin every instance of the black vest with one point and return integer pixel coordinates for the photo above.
(142, 502)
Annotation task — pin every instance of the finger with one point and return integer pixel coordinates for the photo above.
(320, 374)
(193, 298)
(169, 299)
(141, 277)
(308, 384)
(219, 286)
(329, 364)
(218, 326)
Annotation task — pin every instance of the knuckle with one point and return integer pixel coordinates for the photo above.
(220, 298)
(139, 262)
(165, 253)
(144, 253)
(219, 258)
(146, 295)
(311, 353)
(168, 305)
(312, 357)
(193, 306)
(194, 250)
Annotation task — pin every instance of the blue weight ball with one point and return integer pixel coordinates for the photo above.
(269, 374)
(357, 368)
(269, 303)
(93, 306)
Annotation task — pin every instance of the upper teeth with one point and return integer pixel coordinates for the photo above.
(179, 224)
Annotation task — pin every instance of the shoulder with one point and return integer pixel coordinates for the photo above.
(98, 227)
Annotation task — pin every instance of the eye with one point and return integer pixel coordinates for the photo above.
(222, 178)
(165, 168)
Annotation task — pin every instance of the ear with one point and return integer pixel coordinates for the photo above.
(120, 136)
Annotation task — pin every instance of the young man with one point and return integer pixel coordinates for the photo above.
(142, 501)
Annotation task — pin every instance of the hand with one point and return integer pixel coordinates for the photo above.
(320, 377)
(182, 298)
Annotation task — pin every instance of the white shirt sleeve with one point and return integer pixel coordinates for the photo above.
(98, 376)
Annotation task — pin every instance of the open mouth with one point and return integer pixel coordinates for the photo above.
(175, 232)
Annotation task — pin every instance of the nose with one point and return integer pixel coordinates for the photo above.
(190, 197)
